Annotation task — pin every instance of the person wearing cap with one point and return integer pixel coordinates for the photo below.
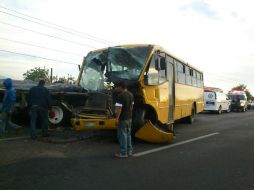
(123, 108)
(38, 104)
(8, 107)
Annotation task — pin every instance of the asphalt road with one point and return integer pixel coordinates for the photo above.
(216, 152)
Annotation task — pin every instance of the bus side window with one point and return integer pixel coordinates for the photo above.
(180, 72)
(153, 74)
(188, 76)
(162, 70)
(194, 78)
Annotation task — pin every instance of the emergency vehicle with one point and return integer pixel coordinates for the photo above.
(216, 101)
(238, 100)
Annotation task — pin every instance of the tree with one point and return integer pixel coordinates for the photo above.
(244, 88)
(37, 74)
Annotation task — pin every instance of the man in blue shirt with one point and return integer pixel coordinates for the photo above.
(8, 106)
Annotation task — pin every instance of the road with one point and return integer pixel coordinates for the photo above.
(216, 152)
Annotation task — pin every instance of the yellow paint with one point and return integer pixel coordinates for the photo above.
(151, 133)
(86, 124)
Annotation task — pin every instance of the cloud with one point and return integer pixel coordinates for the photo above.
(200, 7)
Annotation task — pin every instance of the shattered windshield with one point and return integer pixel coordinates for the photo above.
(112, 65)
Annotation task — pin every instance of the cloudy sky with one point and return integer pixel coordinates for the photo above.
(216, 36)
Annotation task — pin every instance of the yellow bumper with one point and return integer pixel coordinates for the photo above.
(148, 132)
(93, 123)
(151, 133)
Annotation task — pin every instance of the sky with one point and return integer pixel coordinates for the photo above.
(216, 36)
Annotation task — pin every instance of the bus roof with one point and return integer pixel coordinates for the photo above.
(155, 47)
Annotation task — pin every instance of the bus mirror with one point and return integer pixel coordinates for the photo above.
(146, 79)
(157, 65)
(79, 67)
(162, 63)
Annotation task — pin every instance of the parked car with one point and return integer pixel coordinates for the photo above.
(250, 105)
(216, 101)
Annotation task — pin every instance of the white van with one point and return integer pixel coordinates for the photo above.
(216, 101)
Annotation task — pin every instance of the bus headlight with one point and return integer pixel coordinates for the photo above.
(242, 104)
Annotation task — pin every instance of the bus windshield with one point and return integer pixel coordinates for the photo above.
(112, 65)
(236, 97)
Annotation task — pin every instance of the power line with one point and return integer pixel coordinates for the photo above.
(38, 57)
(52, 27)
(42, 47)
(44, 34)
(58, 27)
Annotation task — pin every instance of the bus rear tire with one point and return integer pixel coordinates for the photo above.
(190, 119)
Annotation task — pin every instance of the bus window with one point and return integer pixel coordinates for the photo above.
(188, 77)
(157, 71)
(194, 78)
(153, 74)
(180, 73)
(162, 70)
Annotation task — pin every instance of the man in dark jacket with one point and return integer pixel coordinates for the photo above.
(8, 106)
(38, 103)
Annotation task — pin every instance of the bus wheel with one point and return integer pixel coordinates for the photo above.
(220, 110)
(190, 119)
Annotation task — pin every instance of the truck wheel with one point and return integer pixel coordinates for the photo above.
(58, 115)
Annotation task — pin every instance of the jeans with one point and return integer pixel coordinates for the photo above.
(38, 114)
(124, 136)
(5, 122)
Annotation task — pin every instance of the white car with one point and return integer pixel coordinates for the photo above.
(216, 101)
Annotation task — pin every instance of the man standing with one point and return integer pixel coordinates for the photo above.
(8, 106)
(124, 105)
(38, 103)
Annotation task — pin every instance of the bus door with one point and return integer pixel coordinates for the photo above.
(171, 83)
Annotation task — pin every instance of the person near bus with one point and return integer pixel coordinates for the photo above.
(39, 103)
(8, 107)
(123, 108)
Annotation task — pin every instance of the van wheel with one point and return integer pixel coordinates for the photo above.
(220, 110)
(190, 119)
(229, 109)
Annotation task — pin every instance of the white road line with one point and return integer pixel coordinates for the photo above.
(173, 145)
(14, 138)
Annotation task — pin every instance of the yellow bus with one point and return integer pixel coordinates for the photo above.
(165, 89)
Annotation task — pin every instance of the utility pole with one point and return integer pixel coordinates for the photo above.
(51, 75)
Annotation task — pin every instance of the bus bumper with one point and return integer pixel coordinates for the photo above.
(151, 133)
(93, 123)
(148, 133)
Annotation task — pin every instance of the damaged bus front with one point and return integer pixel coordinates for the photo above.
(102, 70)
